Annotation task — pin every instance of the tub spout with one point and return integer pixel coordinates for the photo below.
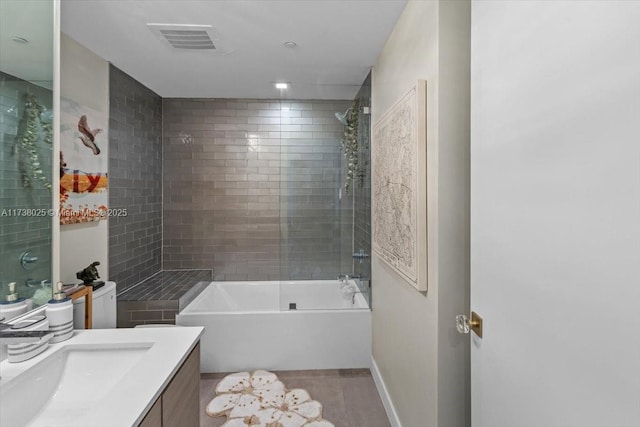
(343, 279)
(353, 296)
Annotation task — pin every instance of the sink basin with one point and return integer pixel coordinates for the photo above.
(72, 380)
(98, 378)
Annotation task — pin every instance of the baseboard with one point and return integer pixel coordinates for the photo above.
(384, 395)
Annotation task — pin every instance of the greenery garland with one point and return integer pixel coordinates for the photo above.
(30, 128)
(349, 145)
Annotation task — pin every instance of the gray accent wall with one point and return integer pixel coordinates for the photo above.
(135, 174)
(252, 188)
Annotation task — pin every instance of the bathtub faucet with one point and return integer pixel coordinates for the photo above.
(344, 279)
(350, 293)
(363, 280)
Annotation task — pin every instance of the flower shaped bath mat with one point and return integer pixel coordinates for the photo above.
(261, 400)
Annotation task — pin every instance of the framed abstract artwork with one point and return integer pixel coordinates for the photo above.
(84, 181)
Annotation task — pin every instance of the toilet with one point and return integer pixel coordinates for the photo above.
(103, 308)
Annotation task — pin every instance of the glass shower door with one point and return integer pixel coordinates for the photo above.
(362, 195)
(316, 225)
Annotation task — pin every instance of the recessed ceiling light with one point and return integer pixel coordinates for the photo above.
(290, 44)
(282, 85)
(21, 40)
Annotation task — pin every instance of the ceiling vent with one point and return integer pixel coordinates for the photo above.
(190, 37)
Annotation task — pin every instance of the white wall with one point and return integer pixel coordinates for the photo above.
(555, 243)
(84, 78)
(421, 359)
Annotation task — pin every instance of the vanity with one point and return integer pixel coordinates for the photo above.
(107, 377)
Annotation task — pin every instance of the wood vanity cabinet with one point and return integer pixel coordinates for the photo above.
(179, 404)
(154, 416)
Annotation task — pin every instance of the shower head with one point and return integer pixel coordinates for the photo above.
(342, 117)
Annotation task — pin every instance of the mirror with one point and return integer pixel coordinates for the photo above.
(26, 147)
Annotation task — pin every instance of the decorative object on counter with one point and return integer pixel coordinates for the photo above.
(13, 305)
(32, 128)
(261, 399)
(89, 275)
(60, 314)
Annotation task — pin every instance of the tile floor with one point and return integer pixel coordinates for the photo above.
(348, 396)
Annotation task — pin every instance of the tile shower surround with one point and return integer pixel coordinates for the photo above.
(250, 188)
(135, 180)
(21, 233)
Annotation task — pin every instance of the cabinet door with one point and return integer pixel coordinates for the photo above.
(181, 399)
(154, 416)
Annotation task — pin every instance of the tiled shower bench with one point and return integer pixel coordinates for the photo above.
(158, 298)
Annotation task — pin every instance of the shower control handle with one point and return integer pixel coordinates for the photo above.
(28, 261)
(361, 255)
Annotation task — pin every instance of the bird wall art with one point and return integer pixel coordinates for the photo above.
(88, 135)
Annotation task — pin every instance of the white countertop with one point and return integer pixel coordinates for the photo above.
(136, 392)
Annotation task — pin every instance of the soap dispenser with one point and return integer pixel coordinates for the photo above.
(13, 305)
(60, 315)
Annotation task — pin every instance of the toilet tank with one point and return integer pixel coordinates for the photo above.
(104, 308)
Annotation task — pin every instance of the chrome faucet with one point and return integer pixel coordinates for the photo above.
(363, 280)
(344, 279)
(11, 336)
(361, 255)
(24, 344)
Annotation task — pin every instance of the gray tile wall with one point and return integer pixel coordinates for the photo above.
(160, 297)
(135, 175)
(251, 188)
(315, 214)
(24, 232)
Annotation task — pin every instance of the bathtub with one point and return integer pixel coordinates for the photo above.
(250, 325)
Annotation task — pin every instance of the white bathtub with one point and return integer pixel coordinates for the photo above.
(248, 326)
